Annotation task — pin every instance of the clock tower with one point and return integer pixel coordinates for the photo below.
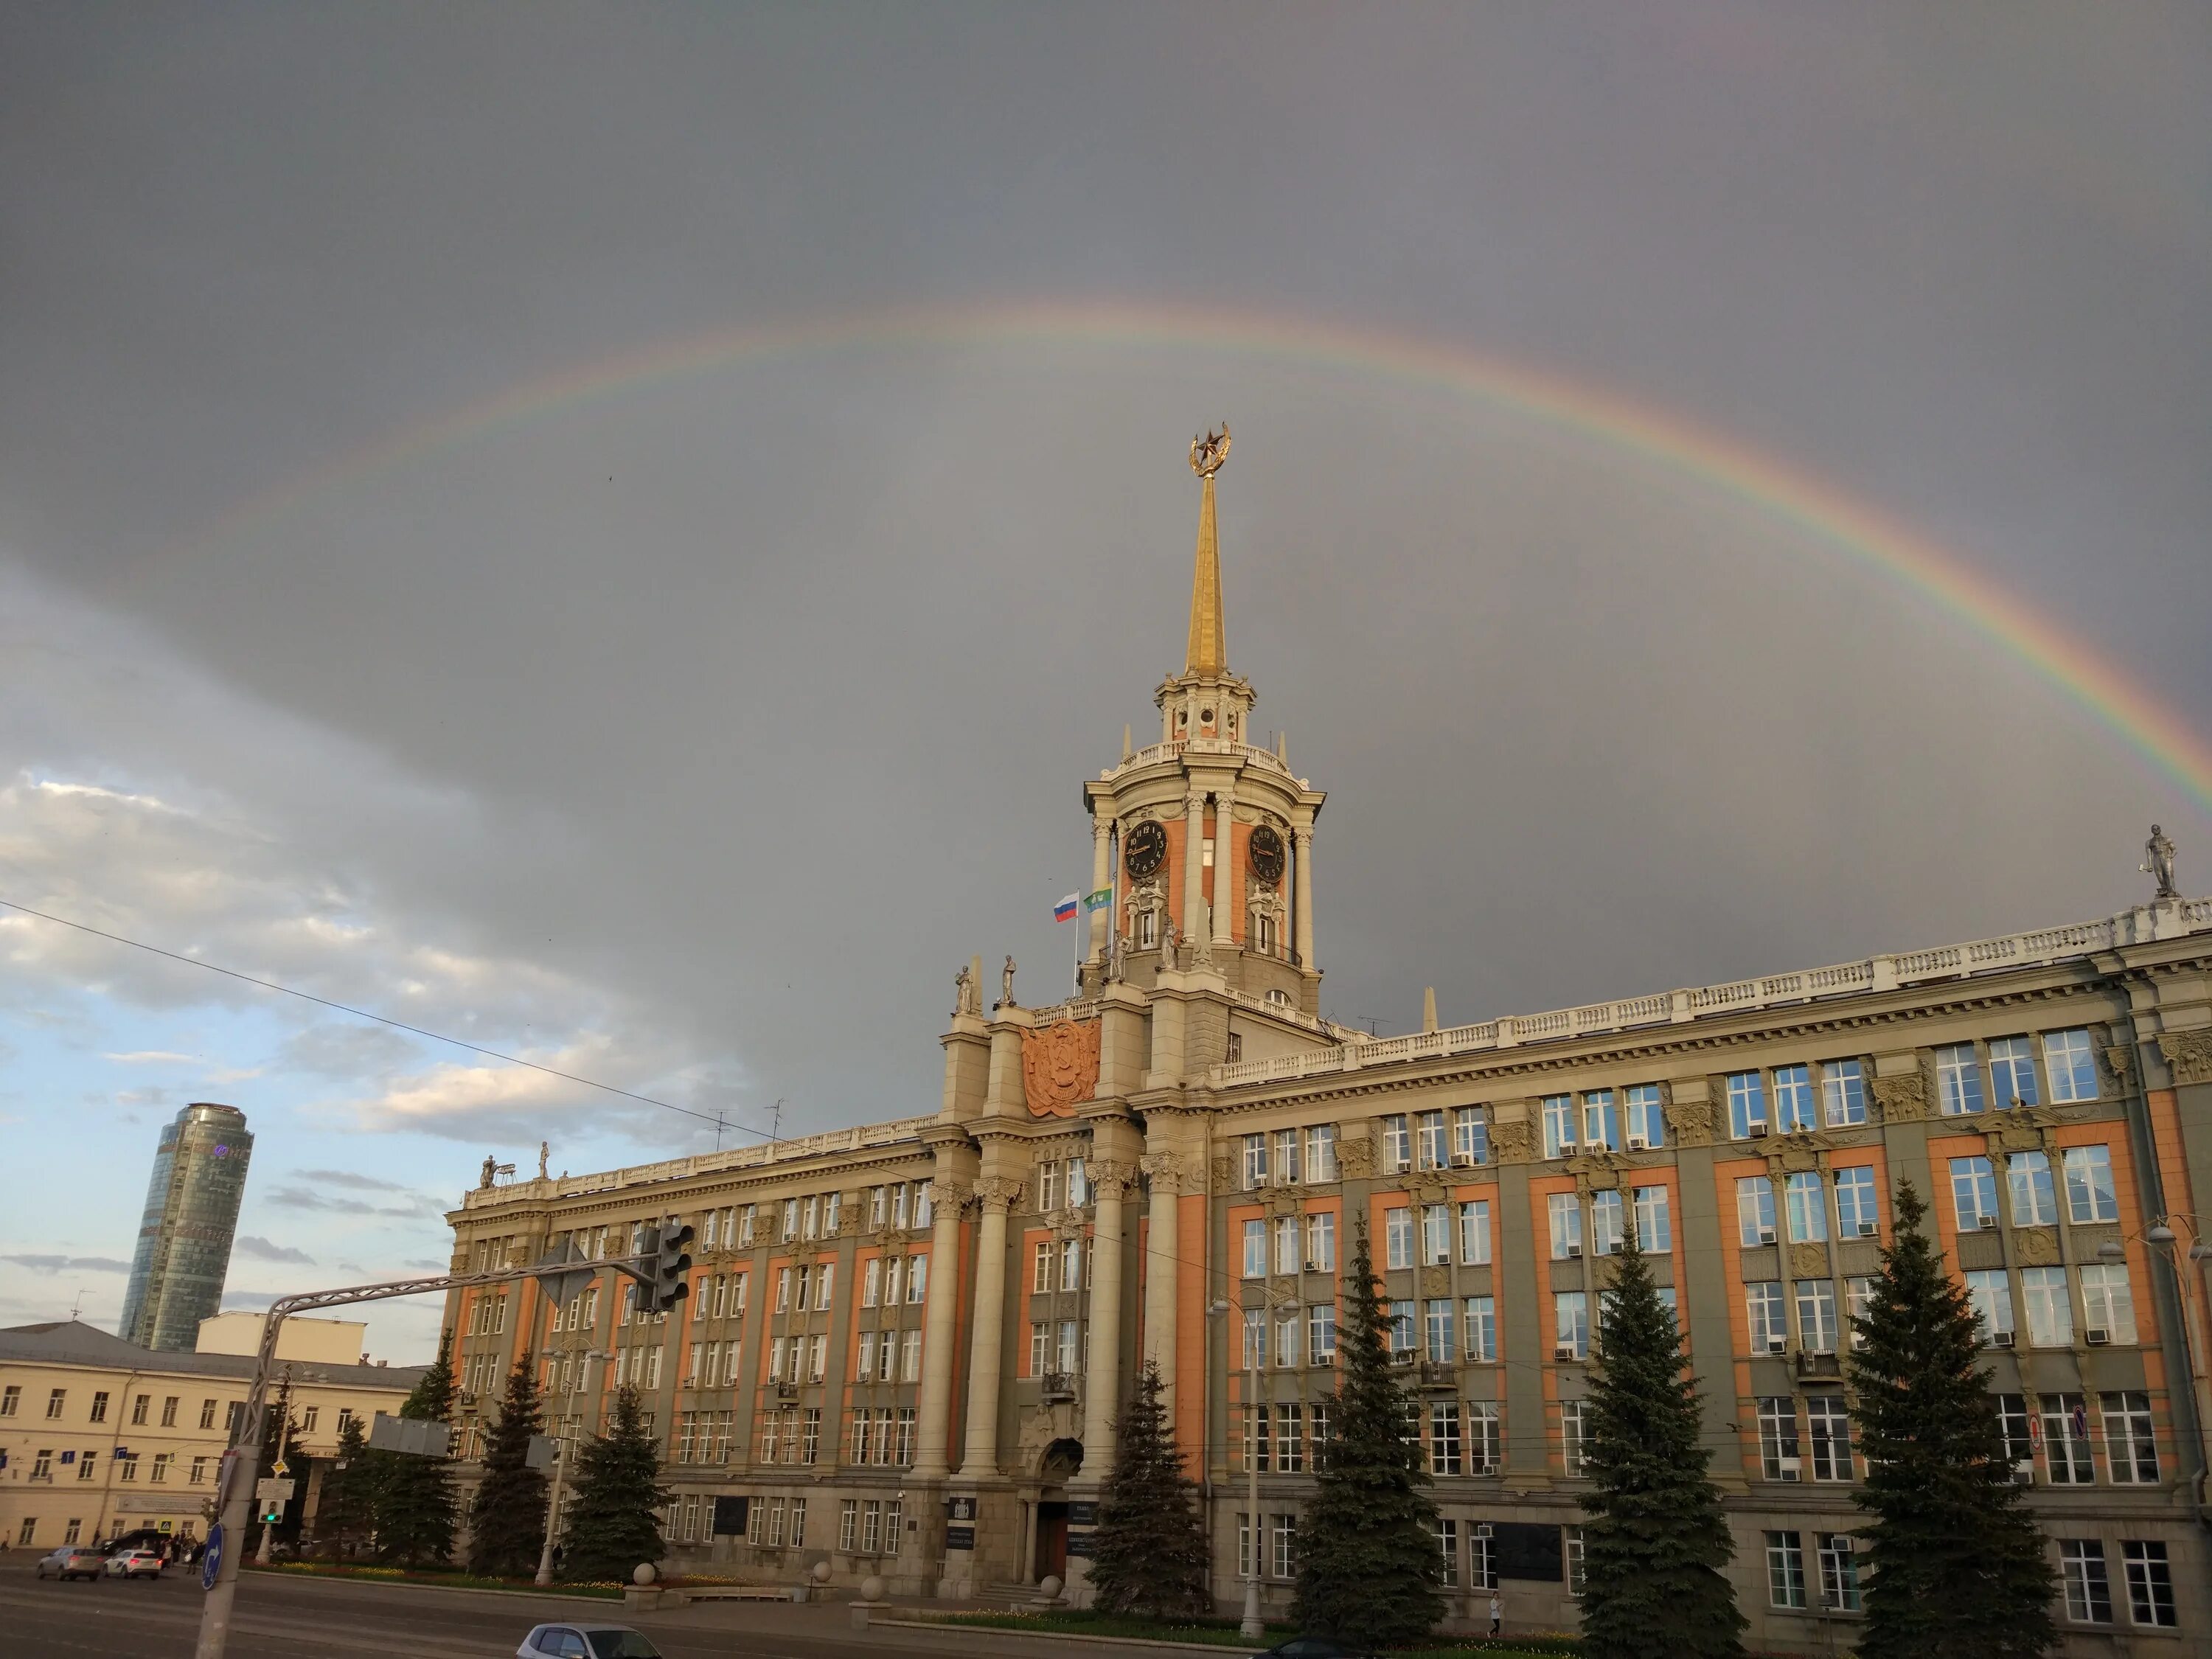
(1206, 839)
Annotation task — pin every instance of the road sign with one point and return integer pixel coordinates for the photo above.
(274, 1492)
(280, 1467)
(544, 1449)
(211, 1559)
(414, 1437)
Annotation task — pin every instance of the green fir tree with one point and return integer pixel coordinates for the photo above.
(613, 1529)
(1368, 1561)
(1149, 1554)
(507, 1522)
(345, 1507)
(1656, 1539)
(1958, 1566)
(415, 1505)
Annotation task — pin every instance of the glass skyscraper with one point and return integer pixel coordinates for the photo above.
(183, 1256)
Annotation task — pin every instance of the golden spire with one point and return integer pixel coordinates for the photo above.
(1209, 643)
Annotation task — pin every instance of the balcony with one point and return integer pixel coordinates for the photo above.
(1057, 1387)
(1828, 1366)
(1439, 1374)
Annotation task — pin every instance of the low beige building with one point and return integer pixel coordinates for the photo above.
(100, 1437)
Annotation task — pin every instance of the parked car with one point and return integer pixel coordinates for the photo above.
(140, 1563)
(585, 1642)
(1312, 1647)
(73, 1561)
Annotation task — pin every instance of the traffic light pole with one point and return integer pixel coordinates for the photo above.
(241, 1465)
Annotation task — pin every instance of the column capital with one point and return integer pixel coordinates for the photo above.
(1301, 834)
(1167, 1170)
(1101, 826)
(998, 1192)
(1115, 1175)
(951, 1192)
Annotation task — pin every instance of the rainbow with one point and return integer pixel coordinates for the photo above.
(1858, 531)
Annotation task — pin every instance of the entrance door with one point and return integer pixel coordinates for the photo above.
(1052, 1541)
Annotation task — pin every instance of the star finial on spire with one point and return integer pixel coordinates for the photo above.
(1209, 643)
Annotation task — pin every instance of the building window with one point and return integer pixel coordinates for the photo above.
(1957, 1080)
(2090, 1196)
(2012, 1072)
(2034, 1199)
(1398, 1237)
(1754, 1211)
(1843, 1094)
(1989, 1291)
(1290, 1441)
(1574, 1436)
(1647, 1119)
(1482, 1438)
(11, 1401)
(1793, 1099)
(1255, 1249)
(1746, 1099)
(1444, 1452)
(2018, 1431)
(1429, 1145)
(1320, 1334)
(2049, 1311)
(1570, 1323)
(1401, 1329)
(2150, 1583)
(1601, 1123)
(1320, 1152)
(1839, 1573)
(1808, 1208)
(1778, 1458)
(2088, 1588)
(1858, 1213)
(1974, 1193)
(1558, 1117)
(1770, 1332)
(1448, 1552)
(1286, 1155)
(2131, 1452)
(1565, 1211)
(1606, 1225)
(1482, 1329)
(1830, 1430)
(1470, 1136)
(55, 1400)
(1655, 1228)
(1785, 1569)
(1436, 1234)
(2066, 1440)
(1816, 1315)
(1474, 1232)
(1256, 1163)
(2071, 1063)
(1287, 1259)
(2108, 1301)
(1397, 1145)
(1575, 1577)
(1437, 1331)
(1482, 1567)
(1320, 1243)
(1858, 1306)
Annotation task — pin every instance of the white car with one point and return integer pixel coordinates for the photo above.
(585, 1641)
(135, 1564)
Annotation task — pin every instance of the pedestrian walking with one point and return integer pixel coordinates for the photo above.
(1496, 1614)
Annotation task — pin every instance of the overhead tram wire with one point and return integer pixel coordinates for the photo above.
(720, 1121)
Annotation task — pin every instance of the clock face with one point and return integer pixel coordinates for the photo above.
(1146, 847)
(1266, 854)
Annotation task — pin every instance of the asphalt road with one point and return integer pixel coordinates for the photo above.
(279, 1618)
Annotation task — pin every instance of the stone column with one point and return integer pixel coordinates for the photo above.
(1194, 877)
(940, 1320)
(1225, 867)
(1302, 842)
(1160, 1264)
(980, 1454)
(1102, 871)
(1102, 1382)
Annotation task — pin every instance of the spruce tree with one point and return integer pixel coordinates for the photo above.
(415, 1505)
(1958, 1568)
(612, 1527)
(1656, 1539)
(1150, 1553)
(345, 1507)
(1368, 1561)
(507, 1522)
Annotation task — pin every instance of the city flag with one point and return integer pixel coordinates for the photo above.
(1065, 909)
(1099, 900)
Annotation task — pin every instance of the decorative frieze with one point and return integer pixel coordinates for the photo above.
(1511, 1142)
(2036, 1247)
(1690, 1123)
(1902, 1099)
(2189, 1055)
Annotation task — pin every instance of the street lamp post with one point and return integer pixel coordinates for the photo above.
(560, 1469)
(1252, 1626)
(2181, 1245)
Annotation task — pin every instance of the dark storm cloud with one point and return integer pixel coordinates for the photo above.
(692, 734)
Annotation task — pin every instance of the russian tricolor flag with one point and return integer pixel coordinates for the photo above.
(1065, 909)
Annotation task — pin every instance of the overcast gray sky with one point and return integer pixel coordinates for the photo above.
(688, 734)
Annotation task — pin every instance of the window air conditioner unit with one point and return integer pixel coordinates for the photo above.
(1565, 1351)
(1313, 1266)
(2098, 1336)
(1326, 1358)
(2000, 1339)
(1482, 1529)
(2023, 1472)
(1792, 1467)
(1401, 1356)
(1987, 1222)
(1869, 1229)
(1639, 1143)
(1574, 1252)
(1766, 1235)
(1756, 1130)
(1776, 1344)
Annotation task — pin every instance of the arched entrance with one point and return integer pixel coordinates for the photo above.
(1062, 1460)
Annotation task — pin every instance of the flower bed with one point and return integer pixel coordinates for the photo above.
(448, 1580)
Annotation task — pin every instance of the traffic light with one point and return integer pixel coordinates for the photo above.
(672, 1267)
